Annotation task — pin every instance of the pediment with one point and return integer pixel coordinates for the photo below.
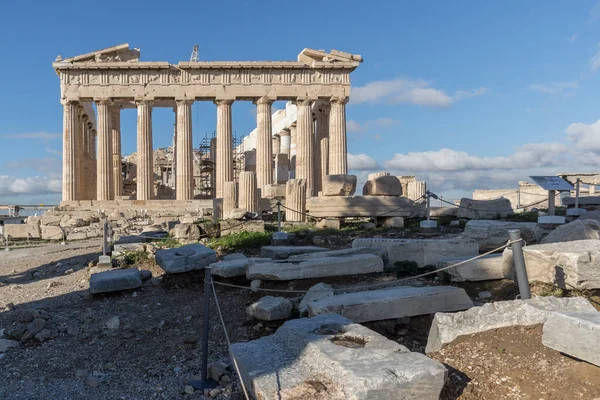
(309, 56)
(120, 53)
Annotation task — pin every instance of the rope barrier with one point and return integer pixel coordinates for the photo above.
(410, 278)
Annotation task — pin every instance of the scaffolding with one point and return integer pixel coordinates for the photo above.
(238, 156)
(204, 174)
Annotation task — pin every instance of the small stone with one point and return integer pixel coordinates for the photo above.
(214, 393)
(257, 327)
(190, 340)
(225, 379)
(43, 314)
(485, 295)
(15, 333)
(255, 284)
(53, 284)
(113, 323)
(73, 329)
(217, 370)
(69, 271)
(36, 326)
(93, 381)
(134, 294)
(25, 316)
(189, 389)
(44, 335)
(6, 344)
(81, 373)
(10, 306)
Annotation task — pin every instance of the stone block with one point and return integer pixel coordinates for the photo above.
(540, 231)
(52, 232)
(575, 212)
(33, 220)
(484, 209)
(274, 191)
(234, 256)
(342, 359)
(575, 334)
(399, 302)
(580, 229)
(422, 251)
(187, 258)
(76, 235)
(271, 308)
(339, 185)
(329, 223)
(22, 231)
(595, 214)
(391, 222)
(485, 268)
(428, 224)
(231, 268)
(317, 292)
(363, 206)
(280, 239)
(383, 186)
(447, 327)
(344, 253)
(186, 231)
(551, 219)
(493, 234)
(230, 227)
(568, 265)
(115, 280)
(374, 175)
(316, 268)
(122, 248)
(283, 252)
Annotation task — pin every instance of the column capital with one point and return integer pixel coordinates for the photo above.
(184, 102)
(339, 100)
(65, 102)
(285, 132)
(103, 101)
(223, 102)
(304, 102)
(263, 100)
(324, 108)
(144, 102)
(115, 107)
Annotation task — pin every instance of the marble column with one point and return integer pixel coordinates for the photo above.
(213, 173)
(305, 146)
(592, 189)
(293, 136)
(174, 165)
(284, 142)
(295, 200)
(229, 198)
(69, 182)
(321, 146)
(145, 154)
(247, 195)
(338, 158)
(115, 114)
(104, 161)
(185, 156)
(80, 155)
(224, 167)
(93, 182)
(264, 144)
(86, 160)
(276, 144)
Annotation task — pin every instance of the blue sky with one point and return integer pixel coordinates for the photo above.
(465, 94)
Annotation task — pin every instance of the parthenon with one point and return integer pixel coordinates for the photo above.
(115, 78)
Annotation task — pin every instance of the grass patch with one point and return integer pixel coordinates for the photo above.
(134, 257)
(242, 240)
(166, 243)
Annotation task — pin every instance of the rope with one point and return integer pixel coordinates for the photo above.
(237, 370)
(410, 278)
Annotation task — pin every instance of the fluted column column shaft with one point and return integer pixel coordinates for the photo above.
(69, 183)
(276, 144)
(224, 166)
(305, 146)
(247, 196)
(295, 200)
(264, 143)
(116, 151)
(229, 198)
(321, 147)
(284, 142)
(145, 161)
(185, 157)
(338, 158)
(104, 160)
(86, 161)
(80, 154)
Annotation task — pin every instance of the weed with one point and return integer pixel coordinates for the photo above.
(134, 257)
(242, 240)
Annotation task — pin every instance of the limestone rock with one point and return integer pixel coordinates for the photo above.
(52, 233)
(540, 231)
(383, 186)
(344, 253)
(493, 234)
(485, 268)
(51, 218)
(33, 220)
(229, 227)
(185, 231)
(115, 280)
(114, 323)
(399, 302)
(185, 258)
(339, 185)
(580, 229)
(595, 214)
(234, 256)
(344, 360)
(270, 308)
(422, 251)
(447, 327)
(6, 344)
(231, 268)
(391, 222)
(36, 326)
(317, 268)
(575, 334)
(317, 292)
(484, 209)
(283, 252)
(329, 223)
(569, 265)
(22, 231)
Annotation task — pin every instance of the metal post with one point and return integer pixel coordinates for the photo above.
(278, 216)
(428, 205)
(577, 184)
(519, 263)
(205, 382)
(104, 239)
(551, 198)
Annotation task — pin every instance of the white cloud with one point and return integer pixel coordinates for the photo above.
(401, 90)
(34, 185)
(53, 151)
(554, 88)
(354, 126)
(467, 94)
(361, 162)
(584, 136)
(595, 60)
(573, 37)
(32, 135)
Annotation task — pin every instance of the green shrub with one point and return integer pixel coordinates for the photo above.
(242, 240)
(134, 257)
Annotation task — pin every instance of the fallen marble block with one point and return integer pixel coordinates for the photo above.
(486, 268)
(363, 206)
(575, 334)
(343, 253)
(580, 229)
(115, 280)
(343, 360)
(484, 209)
(316, 268)
(317, 292)
(270, 308)
(493, 234)
(283, 252)
(422, 251)
(231, 268)
(187, 258)
(405, 301)
(447, 327)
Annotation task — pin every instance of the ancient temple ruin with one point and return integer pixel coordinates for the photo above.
(115, 79)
